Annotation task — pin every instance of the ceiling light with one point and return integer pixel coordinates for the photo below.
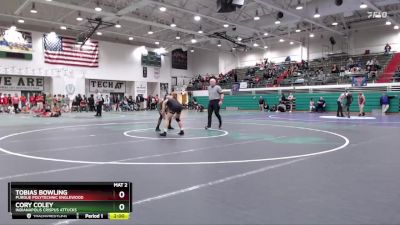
(255, 45)
(335, 23)
(173, 23)
(98, 8)
(63, 27)
(265, 47)
(311, 35)
(299, 6)
(388, 23)
(130, 38)
(233, 48)
(256, 17)
(226, 25)
(277, 22)
(298, 30)
(79, 18)
(178, 37)
(163, 9)
(281, 40)
(13, 27)
(193, 41)
(157, 43)
(197, 18)
(49, 0)
(219, 44)
(117, 25)
(363, 5)
(266, 34)
(200, 30)
(316, 14)
(291, 42)
(33, 9)
(99, 33)
(396, 27)
(239, 39)
(192, 50)
(150, 31)
(21, 21)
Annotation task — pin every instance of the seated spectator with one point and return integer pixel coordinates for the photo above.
(321, 105)
(387, 48)
(335, 69)
(281, 107)
(312, 105)
(350, 63)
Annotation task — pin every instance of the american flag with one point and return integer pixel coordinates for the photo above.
(65, 51)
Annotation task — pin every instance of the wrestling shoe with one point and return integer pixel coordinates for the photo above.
(181, 133)
(158, 129)
(164, 134)
(171, 128)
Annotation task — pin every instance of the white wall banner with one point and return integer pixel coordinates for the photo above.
(141, 88)
(243, 85)
(21, 83)
(107, 86)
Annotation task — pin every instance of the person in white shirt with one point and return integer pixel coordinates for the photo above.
(340, 105)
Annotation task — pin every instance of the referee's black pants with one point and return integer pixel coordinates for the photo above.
(213, 106)
(99, 108)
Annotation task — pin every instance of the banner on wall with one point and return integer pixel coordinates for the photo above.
(163, 89)
(15, 44)
(107, 86)
(16, 83)
(243, 85)
(359, 81)
(141, 88)
(179, 59)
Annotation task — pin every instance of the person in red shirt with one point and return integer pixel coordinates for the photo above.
(1, 102)
(15, 103)
(32, 100)
(23, 101)
(5, 104)
(39, 101)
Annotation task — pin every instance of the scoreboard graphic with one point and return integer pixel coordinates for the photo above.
(70, 200)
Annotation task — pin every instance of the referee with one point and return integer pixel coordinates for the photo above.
(216, 98)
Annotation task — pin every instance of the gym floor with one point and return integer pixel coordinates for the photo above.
(260, 168)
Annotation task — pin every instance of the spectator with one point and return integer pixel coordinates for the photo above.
(15, 102)
(361, 103)
(39, 99)
(1, 102)
(281, 107)
(23, 101)
(68, 102)
(335, 69)
(385, 102)
(291, 98)
(387, 48)
(32, 100)
(312, 105)
(261, 103)
(321, 105)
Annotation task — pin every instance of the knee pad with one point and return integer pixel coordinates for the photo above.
(178, 120)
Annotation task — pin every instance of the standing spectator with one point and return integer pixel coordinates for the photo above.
(261, 103)
(349, 100)
(68, 102)
(49, 102)
(91, 103)
(5, 103)
(291, 99)
(387, 49)
(312, 105)
(15, 102)
(107, 104)
(1, 102)
(385, 102)
(335, 69)
(9, 101)
(339, 112)
(23, 101)
(39, 101)
(99, 104)
(32, 100)
(361, 103)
